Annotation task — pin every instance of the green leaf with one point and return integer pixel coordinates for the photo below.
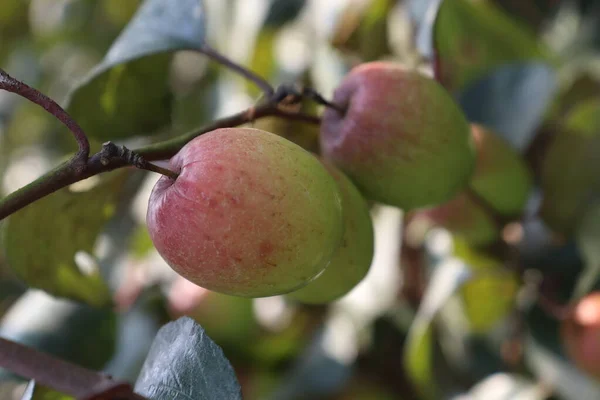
(185, 363)
(37, 392)
(472, 37)
(588, 237)
(128, 94)
(42, 240)
(446, 279)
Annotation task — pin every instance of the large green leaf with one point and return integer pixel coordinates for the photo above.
(128, 94)
(185, 363)
(41, 241)
(472, 37)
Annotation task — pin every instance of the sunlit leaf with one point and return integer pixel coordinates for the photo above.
(489, 296)
(42, 240)
(127, 94)
(471, 37)
(185, 363)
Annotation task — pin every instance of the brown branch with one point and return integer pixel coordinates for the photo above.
(61, 375)
(13, 85)
(69, 173)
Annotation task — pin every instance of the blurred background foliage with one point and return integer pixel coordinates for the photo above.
(438, 316)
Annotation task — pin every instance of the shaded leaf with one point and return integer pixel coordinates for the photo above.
(448, 276)
(470, 38)
(511, 100)
(184, 363)
(42, 240)
(70, 331)
(569, 176)
(127, 94)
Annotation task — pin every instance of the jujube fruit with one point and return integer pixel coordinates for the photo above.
(251, 214)
(402, 139)
(580, 334)
(351, 261)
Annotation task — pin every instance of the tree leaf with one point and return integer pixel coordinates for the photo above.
(587, 237)
(184, 363)
(42, 240)
(470, 38)
(567, 381)
(511, 100)
(127, 94)
(446, 279)
(74, 332)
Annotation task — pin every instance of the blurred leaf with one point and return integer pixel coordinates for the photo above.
(184, 362)
(588, 238)
(136, 329)
(42, 240)
(37, 392)
(569, 176)
(503, 386)
(198, 104)
(473, 37)
(283, 11)
(364, 30)
(423, 14)
(566, 380)
(71, 331)
(511, 100)
(263, 62)
(446, 279)
(489, 297)
(127, 94)
(320, 370)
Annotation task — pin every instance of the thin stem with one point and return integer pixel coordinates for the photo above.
(317, 98)
(67, 174)
(160, 170)
(58, 374)
(13, 85)
(262, 84)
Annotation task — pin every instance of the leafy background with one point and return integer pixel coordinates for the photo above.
(435, 318)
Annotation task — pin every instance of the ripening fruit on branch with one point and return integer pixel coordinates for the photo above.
(402, 140)
(581, 335)
(251, 214)
(352, 259)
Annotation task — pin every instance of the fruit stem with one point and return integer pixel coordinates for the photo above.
(164, 171)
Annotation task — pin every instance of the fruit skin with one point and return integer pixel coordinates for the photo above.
(501, 179)
(352, 260)
(251, 214)
(402, 140)
(580, 335)
(501, 176)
